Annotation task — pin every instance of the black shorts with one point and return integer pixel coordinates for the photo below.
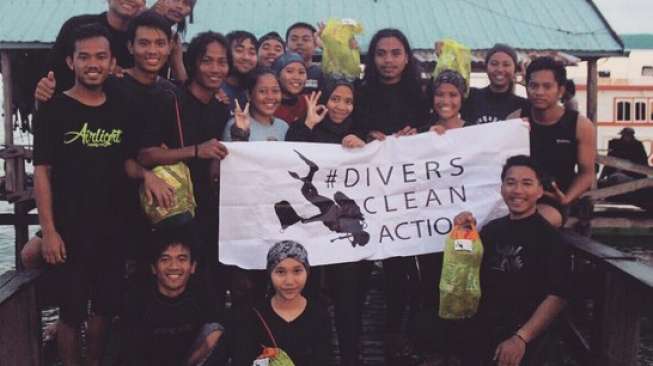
(93, 272)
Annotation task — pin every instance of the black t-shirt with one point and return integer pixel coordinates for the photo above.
(159, 330)
(200, 122)
(85, 146)
(306, 339)
(485, 106)
(141, 99)
(524, 261)
(326, 131)
(57, 57)
(388, 108)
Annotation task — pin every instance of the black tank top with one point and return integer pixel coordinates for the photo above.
(554, 147)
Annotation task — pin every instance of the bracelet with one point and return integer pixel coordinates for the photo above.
(196, 151)
(521, 338)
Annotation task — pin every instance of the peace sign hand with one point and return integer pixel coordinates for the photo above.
(242, 116)
(315, 113)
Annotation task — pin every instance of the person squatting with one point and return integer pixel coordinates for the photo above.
(122, 97)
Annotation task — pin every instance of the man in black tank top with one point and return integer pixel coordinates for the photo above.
(563, 142)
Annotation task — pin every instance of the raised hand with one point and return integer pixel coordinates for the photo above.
(242, 116)
(557, 195)
(315, 113)
(45, 88)
(377, 135)
(465, 219)
(439, 129)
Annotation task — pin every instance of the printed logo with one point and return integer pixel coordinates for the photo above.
(97, 138)
(340, 214)
(562, 141)
(508, 258)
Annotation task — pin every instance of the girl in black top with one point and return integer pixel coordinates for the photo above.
(287, 321)
(329, 122)
(496, 102)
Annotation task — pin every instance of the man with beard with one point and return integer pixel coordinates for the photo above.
(79, 158)
(524, 274)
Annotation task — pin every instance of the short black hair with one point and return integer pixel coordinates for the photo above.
(87, 31)
(197, 50)
(271, 35)
(252, 77)
(150, 19)
(525, 161)
(548, 63)
(238, 36)
(300, 25)
(164, 238)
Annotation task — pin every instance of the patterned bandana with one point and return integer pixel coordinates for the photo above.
(287, 249)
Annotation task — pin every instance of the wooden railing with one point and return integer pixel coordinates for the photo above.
(20, 319)
(619, 287)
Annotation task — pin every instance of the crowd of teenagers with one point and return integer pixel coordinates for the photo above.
(121, 97)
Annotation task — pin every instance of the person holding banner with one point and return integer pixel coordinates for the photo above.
(329, 122)
(497, 101)
(390, 100)
(523, 274)
(289, 326)
(448, 95)
(561, 140)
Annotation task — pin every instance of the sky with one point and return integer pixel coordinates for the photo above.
(628, 16)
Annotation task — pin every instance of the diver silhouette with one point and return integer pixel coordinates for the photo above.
(340, 215)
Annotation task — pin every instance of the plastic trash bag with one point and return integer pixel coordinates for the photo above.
(460, 285)
(338, 58)
(453, 56)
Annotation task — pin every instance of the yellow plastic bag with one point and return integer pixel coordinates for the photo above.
(338, 58)
(178, 177)
(460, 285)
(453, 56)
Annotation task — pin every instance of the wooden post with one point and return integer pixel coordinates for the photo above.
(10, 169)
(21, 230)
(592, 90)
(617, 313)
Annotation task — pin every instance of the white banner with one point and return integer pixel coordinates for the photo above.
(392, 198)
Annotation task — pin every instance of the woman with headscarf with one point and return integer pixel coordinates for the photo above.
(286, 324)
(291, 72)
(329, 122)
(448, 96)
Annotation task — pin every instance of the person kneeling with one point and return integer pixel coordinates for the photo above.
(170, 323)
(524, 273)
(286, 325)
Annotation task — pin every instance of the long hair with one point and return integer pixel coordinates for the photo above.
(410, 74)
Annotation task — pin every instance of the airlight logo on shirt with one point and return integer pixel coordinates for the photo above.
(97, 138)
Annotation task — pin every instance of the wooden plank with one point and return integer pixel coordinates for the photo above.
(615, 338)
(12, 282)
(619, 189)
(20, 320)
(10, 219)
(573, 337)
(590, 248)
(624, 164)
(635, 270)
(592, 89)
(21, 229)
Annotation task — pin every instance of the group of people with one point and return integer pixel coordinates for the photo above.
(121, 97)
